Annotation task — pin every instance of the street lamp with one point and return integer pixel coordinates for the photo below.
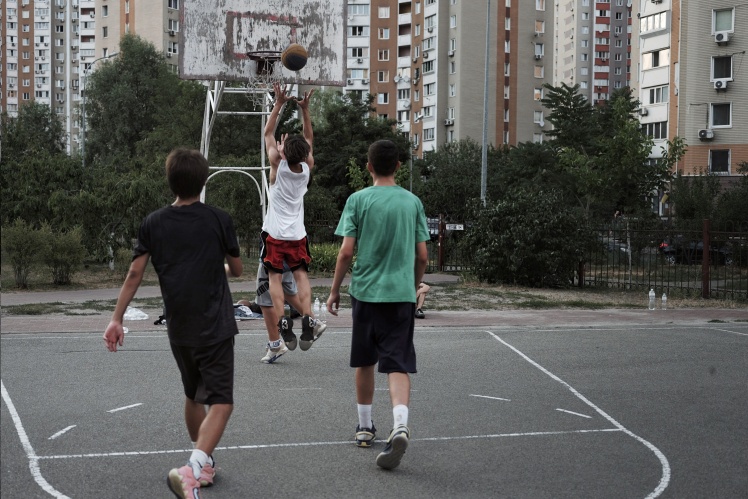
(84, 76)
(410, 138)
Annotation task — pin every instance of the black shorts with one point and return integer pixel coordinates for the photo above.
(207, 372)
(383, 332)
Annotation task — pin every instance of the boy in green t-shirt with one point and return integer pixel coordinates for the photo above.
(386, 224)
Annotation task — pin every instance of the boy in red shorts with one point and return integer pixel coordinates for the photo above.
(283, 232)
(193, 247)
(387, 225)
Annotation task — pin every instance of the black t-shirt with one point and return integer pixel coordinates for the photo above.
(188, 246)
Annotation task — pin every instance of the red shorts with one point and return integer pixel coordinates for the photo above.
(274, 252)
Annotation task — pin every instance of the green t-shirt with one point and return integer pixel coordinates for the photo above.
(386, 222)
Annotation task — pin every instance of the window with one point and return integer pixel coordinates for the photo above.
(403, 116)
(538, 93)
(383, 54)
(403, 93)
(172, 4)
(428, 111)
(506, 69)
(537, 117)
(585, 43)
(173, 25)
(507, 91)
(384, 33)
(428, 66)
(723, 20)
(356, 74)
(656, 59)
(658, 94)
(539, 26)
(355, 51)
(416, 95)
(452, 90)
(383, 76)
(507, 46)
(619, 15)
(428, 134)
(104, 10)
(583, 84)
(105, 31)
(430, 22)
(453, 44)
(418, 30)
(429, 43)
(450, 113)
(537, 138)
(584, 71)
(539, 4)
(358, 31)
(539, 72)
(452, 67)
(585, 16)
(539, 50)
(655, 130)
(721, 115)
(452, 21)
(719, 161)
(721, 67)
(384, 12)
(383, 98)
(429, 89)
(507, 23)
(585, 30)
(172, 48)
(358, 9)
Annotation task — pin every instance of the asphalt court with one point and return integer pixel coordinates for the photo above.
(651, 411)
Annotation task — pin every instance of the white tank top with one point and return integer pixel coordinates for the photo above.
(285, 216)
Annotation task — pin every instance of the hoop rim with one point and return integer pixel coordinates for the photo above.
(264, 55)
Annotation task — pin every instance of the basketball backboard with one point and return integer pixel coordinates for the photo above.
(219, 37)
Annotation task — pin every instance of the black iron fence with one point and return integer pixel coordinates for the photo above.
(627, 255)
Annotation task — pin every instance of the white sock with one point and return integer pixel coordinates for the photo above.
(197, 461)
(364, 416)
(400, 415)
(275, 344)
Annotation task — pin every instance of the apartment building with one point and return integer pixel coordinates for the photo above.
(48, 47)
(593, 46)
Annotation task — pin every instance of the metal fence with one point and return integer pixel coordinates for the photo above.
(628, 255)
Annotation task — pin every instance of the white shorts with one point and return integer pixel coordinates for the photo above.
(263, 286)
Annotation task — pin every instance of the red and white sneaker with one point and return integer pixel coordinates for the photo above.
(182, 483)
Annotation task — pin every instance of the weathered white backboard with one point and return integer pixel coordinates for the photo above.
(218, 36)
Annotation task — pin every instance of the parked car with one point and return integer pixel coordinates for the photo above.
(692, 252)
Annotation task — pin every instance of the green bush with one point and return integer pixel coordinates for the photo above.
(64, 254)
(528, 238)
(24, 246)
(122, 260)
(324, 257)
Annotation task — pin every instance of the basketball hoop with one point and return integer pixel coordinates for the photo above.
(267, 72)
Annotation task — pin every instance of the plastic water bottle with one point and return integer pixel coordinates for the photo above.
(664, 301)
(317, 309)
(651, 299)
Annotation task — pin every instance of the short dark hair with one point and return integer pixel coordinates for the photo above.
(296, 149)
(383, 156)
(187, 172)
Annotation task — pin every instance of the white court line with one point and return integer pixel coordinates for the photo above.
(311, 444)
(574, 413)
(487, 397)
(728, 331)
(61, 432)
(664, 480)
(30, 453)
(125, 407)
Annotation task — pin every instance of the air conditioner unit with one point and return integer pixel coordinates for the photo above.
(36, 44)
(38, 85)
(721, 84)
(168, 54)
(44, 58)
(350, 81)
(62, 87)
(12, 44)
(449, 122)
(360, 60)
(46, 44)
(75, 20)
(93, 16)
(11, 85)
(36, 58)
(656, 1)
(706, 134)
(365, 81)
(415, 81)
(430, 29)
(415, 59)
(425, 55)
(538, 57)
(722, 37)
(643, 111)
(451, 53)
(406, 104)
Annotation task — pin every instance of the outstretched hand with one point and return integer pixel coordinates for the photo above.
(281, 145)
(304, 102)
(281, 96)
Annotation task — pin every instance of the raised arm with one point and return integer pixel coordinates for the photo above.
(272, 122)
(306, 120)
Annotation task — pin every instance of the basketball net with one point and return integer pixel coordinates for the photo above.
(268, 71)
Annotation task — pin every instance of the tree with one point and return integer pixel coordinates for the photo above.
(573, 118)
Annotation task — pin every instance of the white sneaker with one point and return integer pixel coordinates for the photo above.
(273, 354)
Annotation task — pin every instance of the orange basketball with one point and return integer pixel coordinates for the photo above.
(294, 57)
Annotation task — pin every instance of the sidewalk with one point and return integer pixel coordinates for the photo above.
(481, 319)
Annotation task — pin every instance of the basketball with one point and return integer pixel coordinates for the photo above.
(294, 57)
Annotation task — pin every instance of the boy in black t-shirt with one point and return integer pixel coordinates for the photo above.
(193, 247)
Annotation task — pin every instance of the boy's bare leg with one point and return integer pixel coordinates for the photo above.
(212, 427)
(305, 291)
(365, 385)
(399, 388)
(194, 415)
(275, 280)
(271, 322)
(295, 302)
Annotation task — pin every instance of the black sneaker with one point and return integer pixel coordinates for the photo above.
(311, 330)
(420, 314)
(365, 436)
(390, 457)
(285, 328)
